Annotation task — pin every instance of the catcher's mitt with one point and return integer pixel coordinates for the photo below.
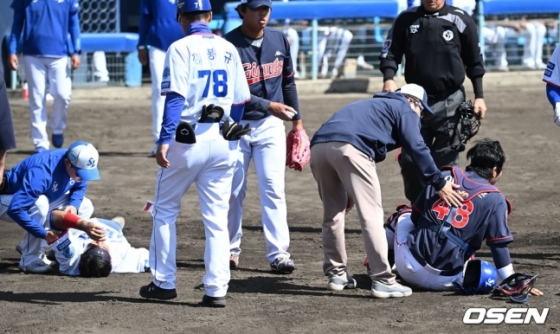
(297, 150)
(517, 287)
(468, 124)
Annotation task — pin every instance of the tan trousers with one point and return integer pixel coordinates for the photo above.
(341, 170)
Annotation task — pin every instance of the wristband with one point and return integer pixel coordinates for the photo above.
(141, 47)
(69, 220)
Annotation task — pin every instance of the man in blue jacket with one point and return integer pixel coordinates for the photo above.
(344, 154)
(48, 27)
(157, 30)
(56, 179)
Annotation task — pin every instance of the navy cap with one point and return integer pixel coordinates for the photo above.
(254, 4)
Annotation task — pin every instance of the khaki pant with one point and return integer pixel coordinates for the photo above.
(341, 171)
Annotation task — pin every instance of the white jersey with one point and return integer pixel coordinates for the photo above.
(466, 5)
(124, 258)
(211, 67)
(552, 72)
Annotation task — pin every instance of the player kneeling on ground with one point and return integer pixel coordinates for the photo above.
(95, 247)
(433, 241)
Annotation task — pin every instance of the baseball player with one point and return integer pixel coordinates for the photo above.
(46, 26)
(552, 78)
(94, 247)
(41, 183)
(433, 240)
(266, 58)
(157, 30)
(205, 87)
(333, 41)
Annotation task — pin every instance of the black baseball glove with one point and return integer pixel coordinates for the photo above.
(517, 286)
(234, 131)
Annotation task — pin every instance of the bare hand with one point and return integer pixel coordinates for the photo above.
(282, 111)
(71, 209)
(480, 107)
(349, 205)
(95, 232)
(14, 62)
(389, 86)
(51, 236)
(161, 155)
(76, 61)
(535, 292)
(449, 195)
(143, 56)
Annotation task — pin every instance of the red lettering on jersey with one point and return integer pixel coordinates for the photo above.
(255, 73)
(461, 218)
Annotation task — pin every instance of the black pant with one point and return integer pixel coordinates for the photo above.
(437, 134)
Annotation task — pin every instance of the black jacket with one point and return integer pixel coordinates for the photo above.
(439, 48)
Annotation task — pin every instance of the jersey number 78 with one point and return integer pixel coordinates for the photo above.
(219, 79)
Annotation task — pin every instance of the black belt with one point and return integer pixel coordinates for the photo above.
(443, 95)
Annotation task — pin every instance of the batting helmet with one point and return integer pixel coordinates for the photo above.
(479, 277)
(189, 6)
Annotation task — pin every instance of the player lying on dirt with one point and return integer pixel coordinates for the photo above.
(94, 247)
(432, 241)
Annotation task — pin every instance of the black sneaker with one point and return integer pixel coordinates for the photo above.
(213, 301)
(155, 292)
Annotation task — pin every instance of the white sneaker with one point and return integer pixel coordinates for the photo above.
(395, 290)
(38, 267)
(120, 221)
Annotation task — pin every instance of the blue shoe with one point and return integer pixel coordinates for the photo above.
(57, 140)
(283, 265)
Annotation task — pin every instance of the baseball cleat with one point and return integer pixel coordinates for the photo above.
(283, 265)
(151, 291)
(213, 301)
(37, 267)
(233, 261)
(57, 140)
(339, 281)
(395, 290)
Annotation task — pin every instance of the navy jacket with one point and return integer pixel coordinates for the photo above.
(269, 71)
(378, 125)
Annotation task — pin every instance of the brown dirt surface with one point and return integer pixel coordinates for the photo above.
(258, 300)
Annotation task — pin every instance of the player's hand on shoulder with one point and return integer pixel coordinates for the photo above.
(161, 155)
(390, 86)
(95, 231)
(52, 236)
(449, 195)
(282, 111)
(480, 107)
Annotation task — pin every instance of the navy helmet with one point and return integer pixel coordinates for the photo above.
(189, 6)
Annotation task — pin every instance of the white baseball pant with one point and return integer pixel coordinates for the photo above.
(266, 144)
(157, 62)
(38, 70)
(209, 163)
(333, 41)
(34, 248)
(294, 48)
(424, 277)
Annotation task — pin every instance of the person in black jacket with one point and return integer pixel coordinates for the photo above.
(7, 136)
(440, 44)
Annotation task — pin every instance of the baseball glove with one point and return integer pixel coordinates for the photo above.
(298, 150)
(234, 131)
(517, 286)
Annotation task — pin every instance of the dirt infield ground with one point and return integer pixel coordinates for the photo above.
(259, 301)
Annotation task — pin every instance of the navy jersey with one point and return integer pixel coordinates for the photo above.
(269, 71)
(40, 174)
(483, 215)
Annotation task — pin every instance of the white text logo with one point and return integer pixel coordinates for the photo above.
(498, 315)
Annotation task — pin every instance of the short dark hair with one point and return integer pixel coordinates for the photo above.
(92, 265)
(239, 9)
(485, 155)
(195, 16)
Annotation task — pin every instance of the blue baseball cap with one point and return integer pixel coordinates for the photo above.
(418, 92)
(188, 6)
(254, 4)
(84, 158)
